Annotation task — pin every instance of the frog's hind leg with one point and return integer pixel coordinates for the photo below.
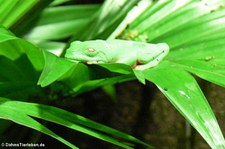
(153, 61)
(148, 65)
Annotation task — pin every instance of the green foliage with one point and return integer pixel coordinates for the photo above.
(20, 113)
(188, 27)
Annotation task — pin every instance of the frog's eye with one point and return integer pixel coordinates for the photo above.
(91, 52)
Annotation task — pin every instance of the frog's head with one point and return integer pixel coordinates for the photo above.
(91, 52)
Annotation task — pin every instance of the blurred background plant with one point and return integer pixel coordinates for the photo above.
(34, 36)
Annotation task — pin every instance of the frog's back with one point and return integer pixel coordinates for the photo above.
(130, 45)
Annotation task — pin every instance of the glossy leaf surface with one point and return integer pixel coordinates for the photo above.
(61, 117)
(184, 93)
(194, 32)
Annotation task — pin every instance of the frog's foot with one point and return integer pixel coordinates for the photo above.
(141, 66)
(134, 65)
(137, 64)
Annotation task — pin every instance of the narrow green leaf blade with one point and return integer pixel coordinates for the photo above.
(105, 20)
(70, 120)
(51, 27)
(11, 113)
(208, 62)
(213, 71)
(184, 93)
(93, 84)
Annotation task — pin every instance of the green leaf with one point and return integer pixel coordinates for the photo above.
(11, 112)
(139, 75)
(58, 2)
(21, 62)
(163, 19)
(93, 84)
(14, 12)
(117, 67)
(213, 70)
(50, 26)
(18, 78)
(208, 62)
(133, 14)
(110, 90)
(13, 47)
(106, 20)
(79, 77)
(184, 93)
(182, 21)
(84, 78)
(69, 120)
(194, 32)
(9, 15)
(54, 69)
(54, 47)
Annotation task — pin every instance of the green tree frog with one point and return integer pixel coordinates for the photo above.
(138, 55)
